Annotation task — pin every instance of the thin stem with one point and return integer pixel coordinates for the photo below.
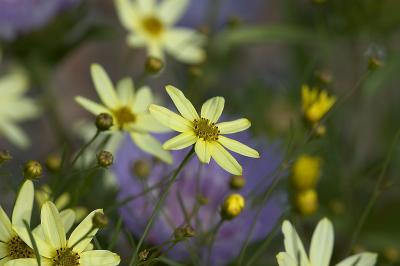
(213, 237)
(35, 248)
(82, 150)
(159, 203)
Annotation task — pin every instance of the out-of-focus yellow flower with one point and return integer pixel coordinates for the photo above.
(151, 24)
(391, 254)
(315, 103)
(232, 206)
(306, 171)
(306, 202)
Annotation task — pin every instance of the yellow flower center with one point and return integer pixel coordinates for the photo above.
(66, 257)
(205, 129)
(153, 25)
(17, 249)
(124, 116)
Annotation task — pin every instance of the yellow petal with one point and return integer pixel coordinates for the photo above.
(203, 150)
(14, 134)
(293, 245)
(284, 259)
(322, 243)
(104, 87)
(83, 233)
(225, 159)
(127, 13)
(24, 204)
(185, 45)
(3, 250)
(143, 98)
(126, 91)
(170, 119)
(52, 225)
(68, 219)
(99, 258)
(23, 262)
(234, 126)
(5, 226)
(181, 141)
(43, 246)
(91, 106)
(146, 6)
(150, 145)
(171, 11)
(147, 123)
(212, 108)
(183, 105)
(238, 147)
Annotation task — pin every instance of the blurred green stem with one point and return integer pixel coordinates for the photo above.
(214, 233)
(84, 147)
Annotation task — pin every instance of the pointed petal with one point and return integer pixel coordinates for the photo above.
(293, 245)
(104, 86)
(225, 159)
(147, 123)
(83, 233)
(14, 134)
(284, 259)
(126, 91)
(183, 105)
(322, 243)
(44, 248)
(185, 45)
(171, 11)
(150, 145)
(52, 225)
(170, 119)
(362, 259)
(203, 150)
(5, 226)
(212, 108)
(127, 14)
(99, 258)
(181, 141)
(238, 147)
(3, 250)
(143, 98)
(24, 204)
(146, 6)
(91, 106)
(234, 126)
(28, 262)
(68, 219)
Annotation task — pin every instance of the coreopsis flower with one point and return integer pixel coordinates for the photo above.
(320, 250)
(14, 108)
(306, 171)
(54, 247)
(128, 109)
(151, 25)
(315, 103)
(203, 130)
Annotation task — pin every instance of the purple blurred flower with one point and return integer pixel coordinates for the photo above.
(21, 16)
(197, 179)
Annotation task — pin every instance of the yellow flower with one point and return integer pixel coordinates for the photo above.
(128, 109)
(306, 171)
(316, 103)
(151, 25)
(203, 130)
(14, 107)
(232, 206)
(307, 202)
(56, 249)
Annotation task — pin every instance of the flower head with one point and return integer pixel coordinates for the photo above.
(315, 103)
(128, 109)
(320, 249)
(306, 171)
(151, 25)
(203, 131)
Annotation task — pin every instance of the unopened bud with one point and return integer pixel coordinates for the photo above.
(99, 220)
(105, 159)
(232, 206)
(183, 232)
(53, 163)
(104, 122)
(33, 170)
(5, 156)
(237, 182)
(374, 63)
(324, 77)
(143, 255)
(141, 168)
(307, 202)
(319, 130)
(153, 65)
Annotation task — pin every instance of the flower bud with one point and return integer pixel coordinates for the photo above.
(232, 206)
(391, 254)
(33, 170)
(104, 122)
(99, 220)
(307, 202)
(105, 159)
(319, 130)
(144, 254)
(183, 232)
(153, 65)
(237, 182)
(201, 199)
(306, 171)
(53, 163)
(374, 63)
(5, 156)
(141, 168)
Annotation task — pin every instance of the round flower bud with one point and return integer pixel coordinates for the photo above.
(306, 171)
(319, 130)
(5, 156)
(183, 232)
(374, 63)
(53, 163)
(237, 182)
(99, 220)
(391, 254)
(105, 159)
(141, 168)
(307, 202)
(104, 122)
(153, 65)
(232, 206)
(33, 170)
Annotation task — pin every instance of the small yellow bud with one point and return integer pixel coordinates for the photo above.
(391, 254)
(53, 163)
(374, 63)
(319, 130)
(315, 103)
(5, 156)
(33, 170)
(141, 168)
(307, 202)
(105, 159)
(232, 206)
(99, 220)
(153, 65)
(104, 122)
(237, 182)
(306, 171)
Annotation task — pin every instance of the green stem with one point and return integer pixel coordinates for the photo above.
(34, 245)
(82, 150)
(213, 237)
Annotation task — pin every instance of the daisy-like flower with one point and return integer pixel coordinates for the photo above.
(128, 109)
(14, 107)
(203, 130)
(320, 249)
(56, 250)
(151, 25)
(315, 103)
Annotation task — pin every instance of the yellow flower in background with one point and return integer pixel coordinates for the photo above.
(56, 249)
(203, 130)
(15, 107)
(315, 103)
(129, 110)
(320, 249)
(306, 201)
(306, 172)
(151, 24)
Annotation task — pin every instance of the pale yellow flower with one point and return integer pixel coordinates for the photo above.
(203, 130)
(128, 109)
(151, 24)
(315, 103)
(320, 250)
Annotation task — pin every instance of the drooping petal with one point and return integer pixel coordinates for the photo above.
(225, 159)
(181, 141)
(52, 225)
(322, 243)
(183, 105)
(28, 262)
(150, 145)
(23, 204)
(83, 233)
(171, 11)
(185, 45)
(238, 147)
(14, 134)
(212, 108)
(99, 258)
(284, 259)
(293, 245)
(127, 14)
(362, 259)
(126, 91)
(148, 123)
(170, 119)
(91, 106)
(68, 219)
(104, 87)
(143, 98)
(5, 226)
(203, 150)
(234, 126)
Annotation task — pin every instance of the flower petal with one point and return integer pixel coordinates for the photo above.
(185, 45)
(181, 141)
(52, 225)
(146, 6)
(29, 262)
(238, 147)
(171, 11)
(154, 49)
(293, 245)
(14, 134)
(183, 105)
(148, 123)
(3, 250)
(362, 259)
(212, 108)
(203, 150)
(44, 248)
(143, 98)
(3, 261)
(135, 40)
(234, 126)
(126, 91)
(170, 119)
(23, 204)
(225, 159)
(91, 106)
(68, 219)
(99, 258)
(322, 243)
(5, 226)
(284, 259)
(149, 144)
(104, 87)
(83, 233)
(127, 13)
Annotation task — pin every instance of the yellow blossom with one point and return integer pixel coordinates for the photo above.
(306, 171)
(315, 103)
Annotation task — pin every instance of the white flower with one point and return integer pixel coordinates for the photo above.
(151, 25)
(320, 250)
